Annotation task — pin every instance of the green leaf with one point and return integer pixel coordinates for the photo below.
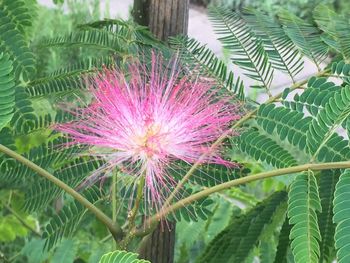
(7, 90)
(281, 50)
(14, 174)
(283, 243)
(25, 119)
(248, 51)
(65, 253)
(303, 204)
(64, 224)
(267, 250)
(34, 251)
(322, 130)
(201, 209)
(335, 26)
(93, 38)
(19, 13)
(314, 98)
(67, 79)
(133, 32)
(305, 36)
(236, 242)
(120, 256)
(341, 210)
(14, 44)
(40, 194)
(327, 181)
(263, 148)
(292, 126)
(342, 69)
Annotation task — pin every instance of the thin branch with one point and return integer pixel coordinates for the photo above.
(114, 201)
(115, 230)
(133, 212)
(244, 180)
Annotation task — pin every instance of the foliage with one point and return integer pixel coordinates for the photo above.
(7, 91)
(341, 218)
(304, 216)
(302, 209)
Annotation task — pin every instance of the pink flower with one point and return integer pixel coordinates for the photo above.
(145, 119)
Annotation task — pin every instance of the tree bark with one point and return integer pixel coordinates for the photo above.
(164, 18)
(158, 247)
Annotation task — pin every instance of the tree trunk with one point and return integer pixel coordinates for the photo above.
(164, 18)
(158, 247)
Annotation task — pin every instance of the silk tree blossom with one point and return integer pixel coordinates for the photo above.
(146, 119)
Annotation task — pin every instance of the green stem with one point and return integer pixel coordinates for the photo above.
(114, 202)
(202, 194)
(133, 212)
(115, 230)
(135, 209)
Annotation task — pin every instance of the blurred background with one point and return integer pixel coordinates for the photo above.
(58, 17)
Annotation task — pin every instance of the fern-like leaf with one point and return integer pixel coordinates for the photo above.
(40, 194)
(292, 126)
(47, 156)
(336, 26)
(305, 36)
(323, 128)
(67, 79)
(341, 210)
(19, 13)
(135, 33)
(93, 38)
(66, 221)
(283, 243)
(342, 69)
(327, 181)
(24, 119)
(200, 209)
(7, 90)
(314, 98)
(207, 174)
(248, 51)
(263, 148)
(303, 204)
(280, 49)
(237, 241)
(14, 44)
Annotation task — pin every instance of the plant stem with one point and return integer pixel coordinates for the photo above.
(224, 135)
(115, 230)
(202, 194)
(135, 209)
(133, 212)
(114, 202)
